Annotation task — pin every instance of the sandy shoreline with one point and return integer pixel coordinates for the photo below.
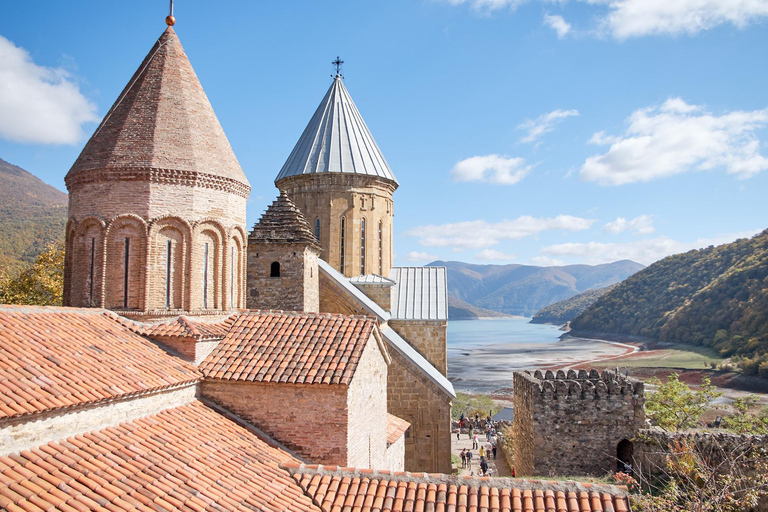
(488, 368)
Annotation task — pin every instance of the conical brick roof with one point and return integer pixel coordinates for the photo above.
(162, 121)
(283, 222)
(336, 140)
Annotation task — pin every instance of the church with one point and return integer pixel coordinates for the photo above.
(197, 365)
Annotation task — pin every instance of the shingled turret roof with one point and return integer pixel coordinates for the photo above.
(336, 140)
(162, 121)
(283, 223)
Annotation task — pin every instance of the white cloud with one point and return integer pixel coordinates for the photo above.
(491, 168)
(419, 257)
(488, 5)
(642, 225)
(494, 255)
(546, 261)
(558, 24)
(641, 251)
(635, 18)
(544, 123)
(480, 234)
(39, 104)
(675, 138)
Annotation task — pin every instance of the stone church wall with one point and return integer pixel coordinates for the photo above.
(381, 294)
(429, 338)
(296, 289)
(309, 419)
(574, 420)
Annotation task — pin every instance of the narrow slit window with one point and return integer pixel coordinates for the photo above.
(232, 279)
(343, 233)
(274, 269)
(93, 269)
(205, 276)
(362, 247)
(317, 229)
(168, 254)
(125, 272)
(381, 259)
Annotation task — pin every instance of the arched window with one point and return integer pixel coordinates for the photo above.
(381, 266)
(343, 234)
(317, 228)
(274, 269)
(362, 247)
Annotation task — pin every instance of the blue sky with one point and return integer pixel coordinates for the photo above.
(521, 131)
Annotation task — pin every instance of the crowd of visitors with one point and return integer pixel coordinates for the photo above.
(486, 449)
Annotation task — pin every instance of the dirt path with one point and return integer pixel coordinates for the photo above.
(499, 465)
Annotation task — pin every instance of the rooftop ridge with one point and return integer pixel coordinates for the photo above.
(283, 222)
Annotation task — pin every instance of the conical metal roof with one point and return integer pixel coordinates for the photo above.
(162, 120)
(336, 140)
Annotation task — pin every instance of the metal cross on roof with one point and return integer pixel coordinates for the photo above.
(338, 62)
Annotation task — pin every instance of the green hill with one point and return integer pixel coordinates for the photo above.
(32, 214)
(566, 310)
(460, 310)
(715, 297)
(523, 290)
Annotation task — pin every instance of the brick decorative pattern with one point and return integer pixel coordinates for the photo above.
(295, 348)
(428, 337)
(185, 458)
(570, 423)
(330, 197)
(158, 169)
(48, 356)
(334, 489)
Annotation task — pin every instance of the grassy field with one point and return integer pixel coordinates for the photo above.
(671, 356)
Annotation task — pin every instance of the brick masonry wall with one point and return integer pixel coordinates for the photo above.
(578, 420)
(367, 411)
(416, 400)
(297, 287)
(331, 196)
(309, 419)
(396, 455)
(429, 338)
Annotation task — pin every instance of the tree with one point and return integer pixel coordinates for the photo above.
(742, 421)
(674, 406)
(39, 284)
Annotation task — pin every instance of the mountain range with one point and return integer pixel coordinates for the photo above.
(566, 310)
(32, 215)
(523, 290)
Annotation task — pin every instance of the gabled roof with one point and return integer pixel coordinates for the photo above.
(335, 489)
(371, 279)
(183, 327)
(336, 140)
(396, 427)
(162, 120)
(421, 293)
(185, 458)
(391, 337)
(283, 222)
(295, 348)
(54, 358)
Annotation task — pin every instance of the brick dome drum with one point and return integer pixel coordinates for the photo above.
(157, 200)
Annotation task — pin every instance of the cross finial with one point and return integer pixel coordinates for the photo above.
(170, 20)
(338, 62)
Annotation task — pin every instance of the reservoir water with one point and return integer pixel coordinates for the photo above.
(467, 333)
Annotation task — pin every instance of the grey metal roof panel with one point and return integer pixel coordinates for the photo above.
(336, 140)
(392, 338)
(421, 293)
(371, 279)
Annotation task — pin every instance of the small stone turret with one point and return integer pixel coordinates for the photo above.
(575, 423)
(282, 260)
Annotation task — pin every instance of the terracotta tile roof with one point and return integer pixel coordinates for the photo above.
(396, 427)
(183, 327)
(52, 358)
(296, 348)
(338, 489)
(186, 458)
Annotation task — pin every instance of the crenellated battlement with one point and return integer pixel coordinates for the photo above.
(582, 384)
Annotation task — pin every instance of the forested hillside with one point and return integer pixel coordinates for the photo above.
(32, 215)
(525, 289)
(566, 310)
(716, 297)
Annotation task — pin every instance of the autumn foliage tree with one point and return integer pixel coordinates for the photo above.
(674, 406)
(40, 283)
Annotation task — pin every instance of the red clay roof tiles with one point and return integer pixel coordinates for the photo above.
(296, 348)
(188, 458)
(340, 489)
(52, 358)
(183, 327)
(396, 427)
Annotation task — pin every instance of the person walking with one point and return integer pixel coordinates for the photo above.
(471, 430)
(483, 466)
(469, 459)
(474, 442)
(458, 432)
(464, 458)
(493, 449)
(482, 452)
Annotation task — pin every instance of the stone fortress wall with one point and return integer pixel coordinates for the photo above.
(575, 423)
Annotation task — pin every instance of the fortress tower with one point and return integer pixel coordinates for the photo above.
(157, 200)
(341, 182)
